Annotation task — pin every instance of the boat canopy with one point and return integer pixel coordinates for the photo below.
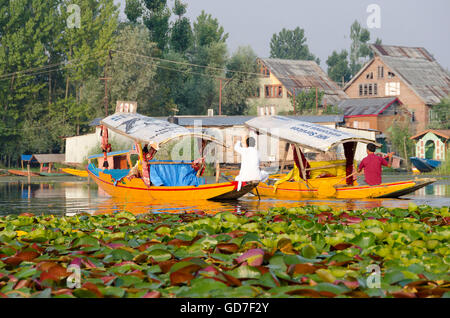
(111, 154)
(150, 130)
(308, 135)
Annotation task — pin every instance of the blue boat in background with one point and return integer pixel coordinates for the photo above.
(425, 165)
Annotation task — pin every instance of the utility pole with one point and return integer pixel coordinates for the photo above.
(220, 92)
(106, 79)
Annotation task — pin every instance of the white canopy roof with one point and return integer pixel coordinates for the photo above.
(149, 130)
(308, 135)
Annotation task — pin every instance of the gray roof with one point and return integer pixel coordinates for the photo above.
(417, 68)
(223, 121)
(365, 106)
(301, 75)
(46, 158)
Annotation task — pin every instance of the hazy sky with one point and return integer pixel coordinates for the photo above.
(424, 23)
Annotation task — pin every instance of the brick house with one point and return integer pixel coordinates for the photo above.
(282, 78)
(409, 73)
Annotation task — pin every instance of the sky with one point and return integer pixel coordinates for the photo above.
(422, 23)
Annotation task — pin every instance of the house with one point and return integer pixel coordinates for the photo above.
(432, 143)
(281, 79)
(374, 113)
(409, 73)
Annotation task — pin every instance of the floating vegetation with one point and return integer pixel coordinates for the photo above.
(311, 251)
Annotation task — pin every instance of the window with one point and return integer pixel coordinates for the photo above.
(369, 75)
(273, 91)
(263, 69)
(370, 89)
(365, 89)
(257, 93)
(380, 71)
(392, 89)
(360, 90)
(413, 117)
(391, 75)
(375, 89)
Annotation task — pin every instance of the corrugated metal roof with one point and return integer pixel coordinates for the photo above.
(402, 51)
(223, 121)
(365, 106)
(301, 75)
(46, 158)
(445, 133)
(418, 68)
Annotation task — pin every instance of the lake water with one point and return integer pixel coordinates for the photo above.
(72, 195)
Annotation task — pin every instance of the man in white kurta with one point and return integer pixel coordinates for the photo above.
(250, 170)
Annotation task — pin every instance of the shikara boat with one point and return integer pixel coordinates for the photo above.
(75, 172)
(23, 173)
(166, 180)
(53, 174)
(326, 179)
(425, 165)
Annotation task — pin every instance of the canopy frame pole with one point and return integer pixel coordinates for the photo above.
(302, 167)
(286, 151)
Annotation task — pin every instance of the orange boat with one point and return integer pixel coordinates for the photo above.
(23, 173)
(158, 180)
(326, 179)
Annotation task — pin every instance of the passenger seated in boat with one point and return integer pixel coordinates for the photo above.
(250, 170)
(372, 165)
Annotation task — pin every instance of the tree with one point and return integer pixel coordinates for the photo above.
(338, 69)
(181, 32)
(133, 10)
(156, 18)
(305, 101)
(291, 44)
(440, 115)
(133, 77)
(359, 49)
(242, 81)
(399, 138)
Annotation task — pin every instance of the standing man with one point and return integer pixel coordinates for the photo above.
(250, 170)
(372, 165)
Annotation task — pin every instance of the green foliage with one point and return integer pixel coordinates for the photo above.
(338, 68)
(241, 83)
(307, 251)
(359, 49)
(440, 115)
(291, 45)
(398, 136)
(133, 10)
(305, 101)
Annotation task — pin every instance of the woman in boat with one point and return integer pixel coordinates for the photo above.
(372, 165)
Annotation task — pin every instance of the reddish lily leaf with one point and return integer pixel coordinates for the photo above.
(26, 214)
(340, 246)
(177, 278)
(227, 248)
(402, 294)
(13, 261)
(166, 265)
(58, 271)
(253, 257)
(178, 243)
(45, 266)
(152, 294)
(63, 291)
(304, 269)
(347, 283)
(93, 288)
(22, 283)
(107, 279)
(305, 292)
(47, 276)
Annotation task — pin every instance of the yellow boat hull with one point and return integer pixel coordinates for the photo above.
(136, 190)
(293, 190)
(76, 172)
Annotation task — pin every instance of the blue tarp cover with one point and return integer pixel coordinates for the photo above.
(26, 157)
(174, 175)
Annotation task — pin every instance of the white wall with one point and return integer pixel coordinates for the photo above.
(361, 152)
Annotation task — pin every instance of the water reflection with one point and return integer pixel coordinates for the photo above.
(72, 197)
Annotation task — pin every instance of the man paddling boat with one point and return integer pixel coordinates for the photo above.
(372, 165)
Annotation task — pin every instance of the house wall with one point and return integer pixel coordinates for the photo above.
(405, 94)
(78, 148)
(282, 104)
(439, 146)
(362, 122)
